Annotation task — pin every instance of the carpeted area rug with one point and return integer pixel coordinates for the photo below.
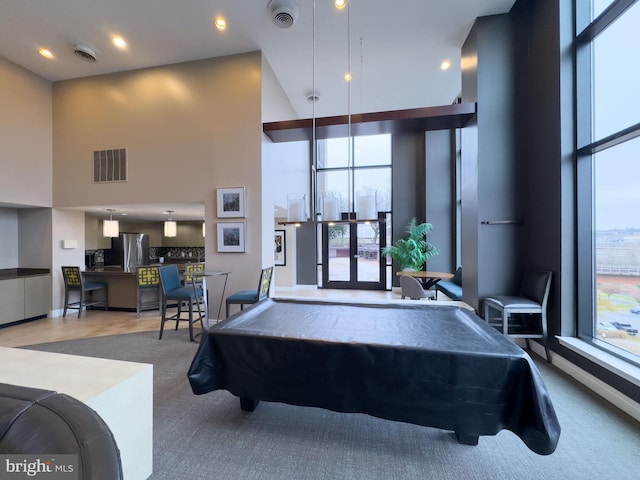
(208, 436)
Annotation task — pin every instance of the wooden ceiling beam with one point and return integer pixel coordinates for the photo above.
(395, 121)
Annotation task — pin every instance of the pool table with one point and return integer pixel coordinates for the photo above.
(433, 365)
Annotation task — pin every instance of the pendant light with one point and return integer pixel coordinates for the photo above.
(111, 227)
(170, 227)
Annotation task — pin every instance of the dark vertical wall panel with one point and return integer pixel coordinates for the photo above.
(545, 145)
(492, 266)
(440, 197)
(408, 182)
(306, 267)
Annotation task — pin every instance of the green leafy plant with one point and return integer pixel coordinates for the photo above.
(414, 250)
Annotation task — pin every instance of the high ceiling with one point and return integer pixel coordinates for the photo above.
(394, 52)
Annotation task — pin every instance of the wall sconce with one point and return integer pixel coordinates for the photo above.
(204, 230)
(170, 227)
(111, 227)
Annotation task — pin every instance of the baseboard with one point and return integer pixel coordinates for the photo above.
(623, 402)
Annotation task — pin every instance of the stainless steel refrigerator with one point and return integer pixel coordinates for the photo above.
(128, 250)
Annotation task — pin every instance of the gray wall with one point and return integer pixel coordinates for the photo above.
(408, 183)
(492, 219)
(440, 197)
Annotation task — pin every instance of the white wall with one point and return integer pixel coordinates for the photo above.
(25, 136)
(189, 129)
(285, 171)
(67, 225)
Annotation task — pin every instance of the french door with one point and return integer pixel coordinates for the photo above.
(351, 256)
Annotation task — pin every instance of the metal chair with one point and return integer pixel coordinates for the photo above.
(246, 297)
(412, 288)
(173, 290)
(74, 282)
(148, 282)
(532, 300)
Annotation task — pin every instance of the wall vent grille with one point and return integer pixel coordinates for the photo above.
(110, 165)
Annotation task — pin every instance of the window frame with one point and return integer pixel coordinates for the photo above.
(587, 30)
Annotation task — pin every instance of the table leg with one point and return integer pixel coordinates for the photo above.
(467, 439)
(224, 286)
(248, 404)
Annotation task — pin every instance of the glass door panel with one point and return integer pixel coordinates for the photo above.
(351, 255)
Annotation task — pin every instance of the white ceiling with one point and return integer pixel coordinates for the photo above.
(395, 51)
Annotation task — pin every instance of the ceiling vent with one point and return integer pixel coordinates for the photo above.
(86, 53)
(284, 13)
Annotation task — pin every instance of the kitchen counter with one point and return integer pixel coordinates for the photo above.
(117, 269)
(10, 273)
(123, 289)
(110, 270)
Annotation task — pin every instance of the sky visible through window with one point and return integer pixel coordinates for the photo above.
(616, 106)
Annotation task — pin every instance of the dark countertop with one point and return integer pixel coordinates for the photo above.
(11, 273)
(109, 270)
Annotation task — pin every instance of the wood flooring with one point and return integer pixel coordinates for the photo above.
(96, 323)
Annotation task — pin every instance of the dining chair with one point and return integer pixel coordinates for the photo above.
(148, 285)
(530, 305)
(246, 297)
(74, 282)
(174, 291)
(412, 288)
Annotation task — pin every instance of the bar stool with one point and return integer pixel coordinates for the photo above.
(172, 289)
(148, 282)
(74, 282)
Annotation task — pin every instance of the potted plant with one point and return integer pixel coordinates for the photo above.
(412, 252)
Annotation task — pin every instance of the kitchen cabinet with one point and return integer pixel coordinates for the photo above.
(37, 296)
(12, 300)
(187, 235)
(24, 297)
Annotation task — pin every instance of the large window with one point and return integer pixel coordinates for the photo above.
(608, 99)
(353, 177)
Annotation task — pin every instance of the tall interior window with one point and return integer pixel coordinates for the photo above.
(608, 122)
(352, 186)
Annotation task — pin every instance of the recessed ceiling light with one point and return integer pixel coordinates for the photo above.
(119, 42)
(348, 77)
(46, 53)
(445, 65)
(220, 23)
(340, 4)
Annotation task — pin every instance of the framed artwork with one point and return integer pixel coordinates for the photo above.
(231, 237)
(280, 248)
(231, 202)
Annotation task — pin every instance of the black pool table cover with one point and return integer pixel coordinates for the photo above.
(433, 365)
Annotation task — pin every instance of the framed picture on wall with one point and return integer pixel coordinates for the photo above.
(231, 202)
(231, 237)
(280, 248)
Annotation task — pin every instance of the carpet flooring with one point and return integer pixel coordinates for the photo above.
(209, 437)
